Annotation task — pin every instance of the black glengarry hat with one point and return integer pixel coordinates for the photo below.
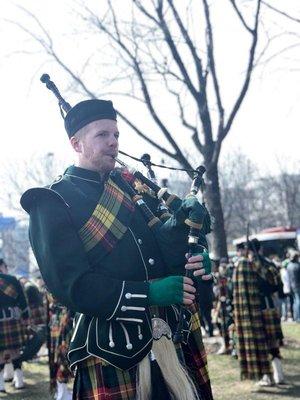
(88, 111)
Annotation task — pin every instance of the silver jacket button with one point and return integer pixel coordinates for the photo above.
(128, 295)
(140, 241)
(123, 308)
(151, 261)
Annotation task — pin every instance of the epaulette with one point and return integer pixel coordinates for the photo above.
(32, 195)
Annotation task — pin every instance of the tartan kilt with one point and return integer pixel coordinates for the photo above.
(96, 379)
(195, 355)
(272, 327)
(12, 334)
(61, 326)
(12, 338)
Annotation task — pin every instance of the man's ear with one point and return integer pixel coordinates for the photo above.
(76, 144)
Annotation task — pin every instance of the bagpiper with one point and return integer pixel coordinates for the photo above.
(257, 322)
(122, 275)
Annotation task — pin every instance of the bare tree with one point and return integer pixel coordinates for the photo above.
(16, 177)
(263, 202)
(287, 188)
(238, 177)
(170, 44)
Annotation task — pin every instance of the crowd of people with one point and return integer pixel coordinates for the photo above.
(32, 319)
(129, 283)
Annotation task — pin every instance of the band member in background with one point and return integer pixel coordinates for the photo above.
(60, 323)
(38, 319)
(224, 309)
(100, 258)
(14, 318)
(257, 322)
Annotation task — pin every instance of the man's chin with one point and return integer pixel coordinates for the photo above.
(108, 167)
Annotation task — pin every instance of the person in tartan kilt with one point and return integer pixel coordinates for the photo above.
(100, 258)
(14, 318)
(257, 322)
(37, 320)
(224, 309)
(60, 323)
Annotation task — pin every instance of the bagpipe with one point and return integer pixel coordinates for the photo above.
(194, 216)
(188, 214)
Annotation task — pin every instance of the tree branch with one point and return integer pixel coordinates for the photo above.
(233, 3)
(212, 64)
(188, 41)
(245, 86)
(280, 12)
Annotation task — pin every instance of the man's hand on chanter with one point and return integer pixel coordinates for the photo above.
(200, 264)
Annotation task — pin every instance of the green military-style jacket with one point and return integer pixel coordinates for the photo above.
(100, 266)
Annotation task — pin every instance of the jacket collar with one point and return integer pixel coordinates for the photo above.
(83, 173)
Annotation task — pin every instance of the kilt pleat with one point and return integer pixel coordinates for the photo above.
(195, 356)
(12, 334)
(98, 380)
(272, 326)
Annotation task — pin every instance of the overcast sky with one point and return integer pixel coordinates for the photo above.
(267, 125)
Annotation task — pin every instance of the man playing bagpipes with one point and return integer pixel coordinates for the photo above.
(257, 322)
(123, 275)
(14, 318)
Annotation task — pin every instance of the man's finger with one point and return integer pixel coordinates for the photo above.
(196, 265)
(189, 288)
(207, 277)
(195, 258)
(199, 272)
(187, 302)
(187, 280)
(188, 296)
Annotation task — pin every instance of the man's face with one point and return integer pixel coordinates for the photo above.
(97, 146)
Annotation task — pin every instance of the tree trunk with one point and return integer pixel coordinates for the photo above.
(213, 199)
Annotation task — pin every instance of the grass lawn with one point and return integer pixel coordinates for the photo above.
(224, 372)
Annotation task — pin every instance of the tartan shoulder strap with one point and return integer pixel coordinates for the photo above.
(109, 220)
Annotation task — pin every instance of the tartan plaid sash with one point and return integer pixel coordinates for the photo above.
(251, 336)
(109, 220)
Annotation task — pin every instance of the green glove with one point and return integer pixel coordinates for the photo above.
(206, 262)
(166, 291)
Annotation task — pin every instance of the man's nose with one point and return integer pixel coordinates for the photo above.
(113, 141)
